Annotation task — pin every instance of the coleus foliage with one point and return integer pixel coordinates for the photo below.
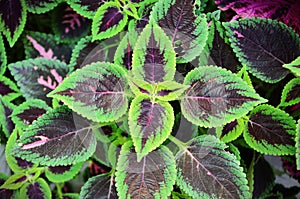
(135, 95)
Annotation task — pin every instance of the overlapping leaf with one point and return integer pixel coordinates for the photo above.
(3, 59)
(39, 44)
(188, 32)
(38, 188)
(152, 177)
(86, 8)
(264, 56)
(62, 173)
(153, 56)
(41, 6)
(271, 131)
(150, 124)
(206, 170)
(216, 97)
(68, 25)
(291, 93)
(108, 21)
(37, 77)
(57, 138)
(8, 89)
(101, 186)
(29, 111)
(12, 19)
(15, 181)
(96, 91)
(5, 193)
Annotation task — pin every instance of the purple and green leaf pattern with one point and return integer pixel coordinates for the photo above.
(216, 97)
(108, 21)
(291, 93)
(58, 138)
(39, 44)
(264, 56)
(188, 32)
(6, 123)
(60, 174)
(231, 131)
(68, 25)
(100, 186)
(96, 91)
(207, 170)
(152, 177)
(15, 181)
(12, 19)
(150, 124)
(294, 66)
(37, 77)
(8, 89)
(5, 193)
(41, 6)
(86, 8)
(153, 56)
(38, 189)
(27, 112)
(271, 131)
(3, 58)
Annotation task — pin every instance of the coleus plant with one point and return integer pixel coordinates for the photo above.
(124, 112)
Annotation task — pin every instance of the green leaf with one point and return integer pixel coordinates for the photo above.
(297, 139)
(41, 6)
(100, 186)
(153, 56)
(59, 174)
(28, 111)
(6, 123)
(86, 8)
(170, 90)
(8, 89)
(291, 93)
(139, 86)
(57, 138)
(216, 97)
(12, 19)
(5, 193)
(15, 181)
(231, 130)
(96, 91)
(294, 66)
(37, 77)
(108, 21)
(152, 177)
(3, 58)
(206, 170)
(187, 32)
(263, 56)
(37, 188)
(150, 124)
(271, 131)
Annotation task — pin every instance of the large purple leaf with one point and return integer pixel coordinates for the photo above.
(153, 56)
(68, 25)
(187, 31)
(57, 138)
(37, 77)
(12, 19)
(41, 6)
(86, 8)
(96, 91)
(285, 11)
(101, 186)
(38, 189)
(39, 44)
(207, 170)
(153, 176)
(150, 124)
(264, 55)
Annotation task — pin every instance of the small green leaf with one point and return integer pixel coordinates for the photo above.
(15, 181)
(139, 86)
(3, 58)
(153, 56)
(294, 66)
(170, 90)
(271, 131)
(150, 124)
(96, 91)
(37, 188)
(62, 173)
(216, 97)
(152, 177)
(206, 170)
(231, 130)
(291, 93)
(108, 21)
